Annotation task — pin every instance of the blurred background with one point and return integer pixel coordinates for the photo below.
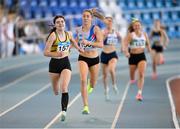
(24, 24)
(26, 95)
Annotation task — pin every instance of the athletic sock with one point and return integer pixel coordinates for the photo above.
(139, 91)
(64, 101)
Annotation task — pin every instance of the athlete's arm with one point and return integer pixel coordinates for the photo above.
(120, 40)
(165, 36)
(126, 43)
(76, 33)
(147, 42)
(104, 32)
(99, 38)
(49, 43)
(150, 36)
(74, 42)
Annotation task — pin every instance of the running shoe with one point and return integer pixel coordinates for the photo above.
(107, 97)
(139, 97)
(115, 89)
(85, 110)
(63, 116)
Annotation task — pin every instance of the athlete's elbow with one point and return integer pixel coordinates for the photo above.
(45, 53)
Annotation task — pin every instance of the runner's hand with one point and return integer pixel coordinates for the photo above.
(85, 42)
(81, 50)
(59, 54)
(127, 54)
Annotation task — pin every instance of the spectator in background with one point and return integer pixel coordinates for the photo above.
(30, 43)
(3, 22)
(175, 3)
(19, 33)
(9, 34)
(1, 29)
(31, 29)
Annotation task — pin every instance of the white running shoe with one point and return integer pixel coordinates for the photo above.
(107, 97)
(115, 89)
(63, 116)
(107, 94)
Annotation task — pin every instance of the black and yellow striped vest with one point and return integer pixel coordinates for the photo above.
(59, 45)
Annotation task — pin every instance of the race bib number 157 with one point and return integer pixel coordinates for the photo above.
(63, 47)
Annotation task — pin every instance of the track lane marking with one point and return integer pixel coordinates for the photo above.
(26, 99)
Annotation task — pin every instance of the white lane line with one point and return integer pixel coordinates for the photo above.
(21, 79)
(174, 117)
(26, 99)
(59, 114)
(20, 65)
(120, 106)
(30, 96)
(173, 109)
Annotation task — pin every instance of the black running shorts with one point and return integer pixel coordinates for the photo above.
(90, 61)
(58, 65)
(136, 58)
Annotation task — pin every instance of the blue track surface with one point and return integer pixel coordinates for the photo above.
(27, 100)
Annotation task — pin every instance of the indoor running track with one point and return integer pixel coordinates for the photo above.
(27, 100)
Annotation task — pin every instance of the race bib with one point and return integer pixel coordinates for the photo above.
(138, 44)
(112, 40)
(63, 47)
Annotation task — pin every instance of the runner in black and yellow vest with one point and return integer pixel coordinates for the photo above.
(57, 47)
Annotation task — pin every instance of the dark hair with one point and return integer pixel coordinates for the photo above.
(108, 17)
(58, 16)
(54, 28)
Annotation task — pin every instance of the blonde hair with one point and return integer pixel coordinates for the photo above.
(130, 27)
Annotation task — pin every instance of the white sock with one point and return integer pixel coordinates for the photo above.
(107, 90)
(139, 91)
